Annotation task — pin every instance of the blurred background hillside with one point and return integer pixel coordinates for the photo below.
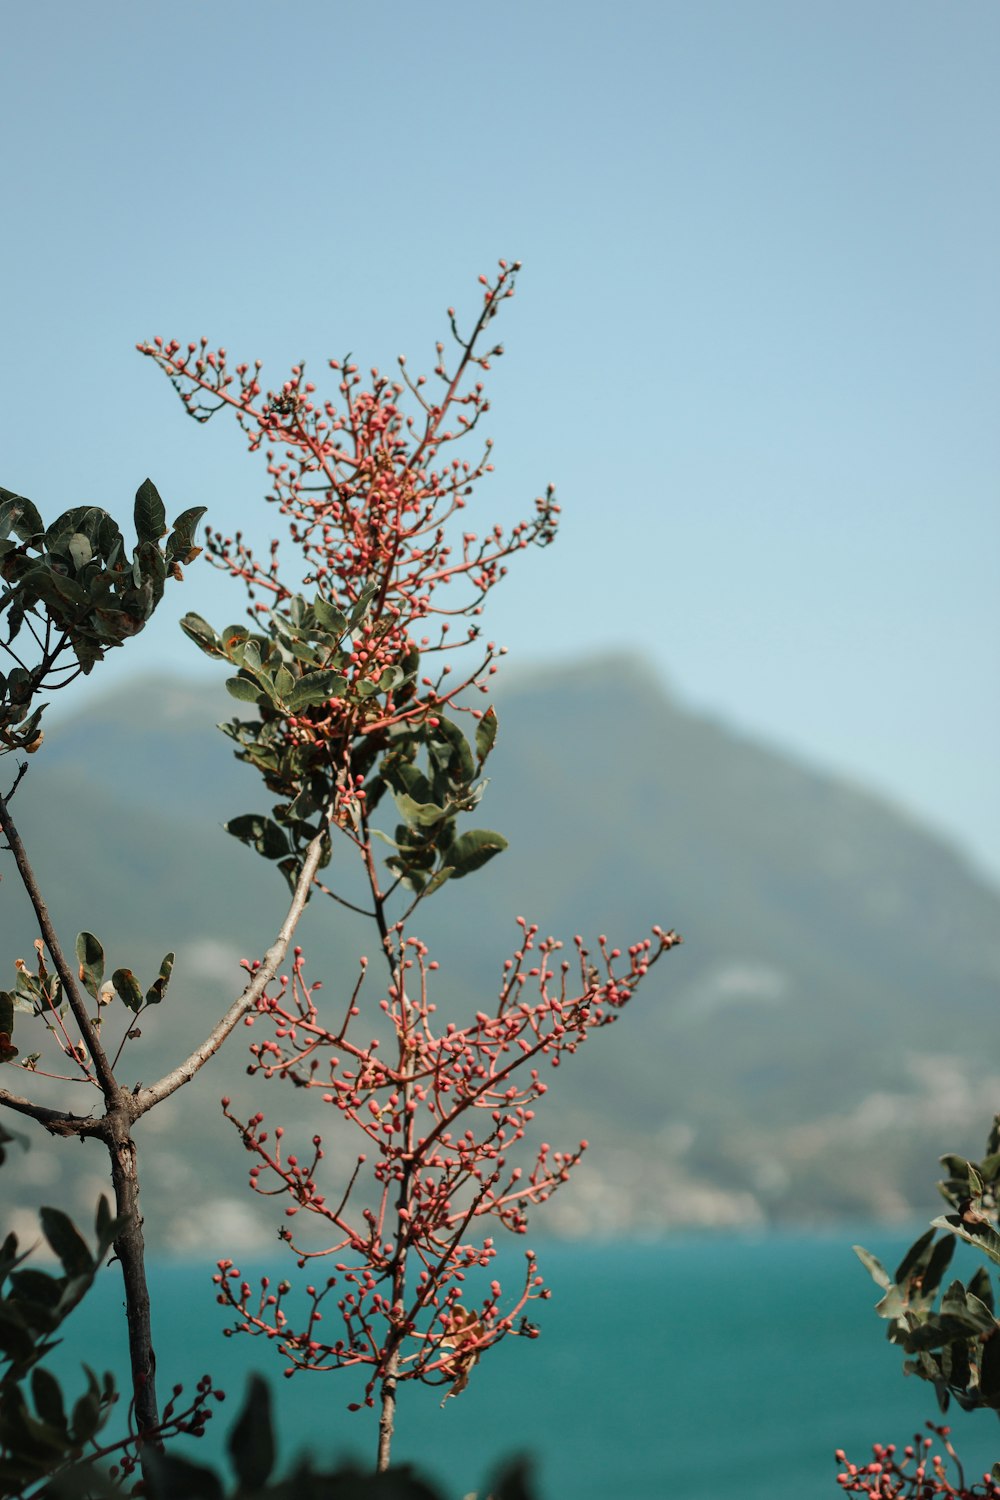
(823, 1034)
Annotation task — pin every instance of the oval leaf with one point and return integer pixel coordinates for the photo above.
(472, 850)
(486, 733)
(150, 516)
(127, 988)
(67, 1242)
(90, 957)
(158, 988)
(251, 1440)
(243, 689)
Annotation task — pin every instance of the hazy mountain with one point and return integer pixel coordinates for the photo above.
(827, 1029)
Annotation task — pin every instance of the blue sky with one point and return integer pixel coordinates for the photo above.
(755, 341)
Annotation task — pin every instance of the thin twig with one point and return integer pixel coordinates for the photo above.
(105, 1073)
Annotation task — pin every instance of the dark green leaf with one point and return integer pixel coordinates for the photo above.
(87, 1414)
(251, 1440)
(458, 756)
(17, 1341)
(29, 1285)
(472, 850)
(150, 516)
(158, 988)
(983, 1236)
(361, 607)
(180, 544)
(48, 1398)
(980, 1284)
(937, 1265)
(108, 1226)
(90, 957)
(20, 516)
(127, 988)
(486, 733)
(180, 1479)
(67, 1242)
(916, 1257)
(262, 833)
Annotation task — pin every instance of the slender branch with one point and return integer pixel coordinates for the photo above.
(105, 1073)
(56, 1121)
(145, 1098)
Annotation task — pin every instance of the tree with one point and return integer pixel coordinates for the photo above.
(950, 1334)
(345, 665)
(72, 594)
(351, 717)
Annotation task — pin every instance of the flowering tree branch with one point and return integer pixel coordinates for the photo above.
(348, 715)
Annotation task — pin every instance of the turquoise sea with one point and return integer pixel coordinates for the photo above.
(689, 1369)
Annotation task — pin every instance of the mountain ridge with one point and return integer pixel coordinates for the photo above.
(823, 1034)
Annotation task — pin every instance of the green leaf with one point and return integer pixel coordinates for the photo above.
(180, 543)
(20, 516)
(48, 1398)
(438, 879)
(486, 733)
(107, 1225)
(937, 1265)
(418, 814)
(67, 1242)
(916, 1257)
(17, 1342)
(458, 756)
(243, 689)
(329, 616)
(150, 516)
(158, 988)
(127, 988)
(199, 631)
(251, 1440)
(361, 607)
(87, 1415)
(263, 834)
(180, 1479)
(472, 850)
(90, 957)
(873, 1266)
(39, 1287)
(284, 682)
(314, 689)
(983, 1236)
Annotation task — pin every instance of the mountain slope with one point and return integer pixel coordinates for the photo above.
(825, 1031)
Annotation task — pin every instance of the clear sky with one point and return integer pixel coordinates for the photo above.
(755, 343)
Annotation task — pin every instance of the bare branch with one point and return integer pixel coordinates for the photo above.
(88, 1031)
(56, 1121)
